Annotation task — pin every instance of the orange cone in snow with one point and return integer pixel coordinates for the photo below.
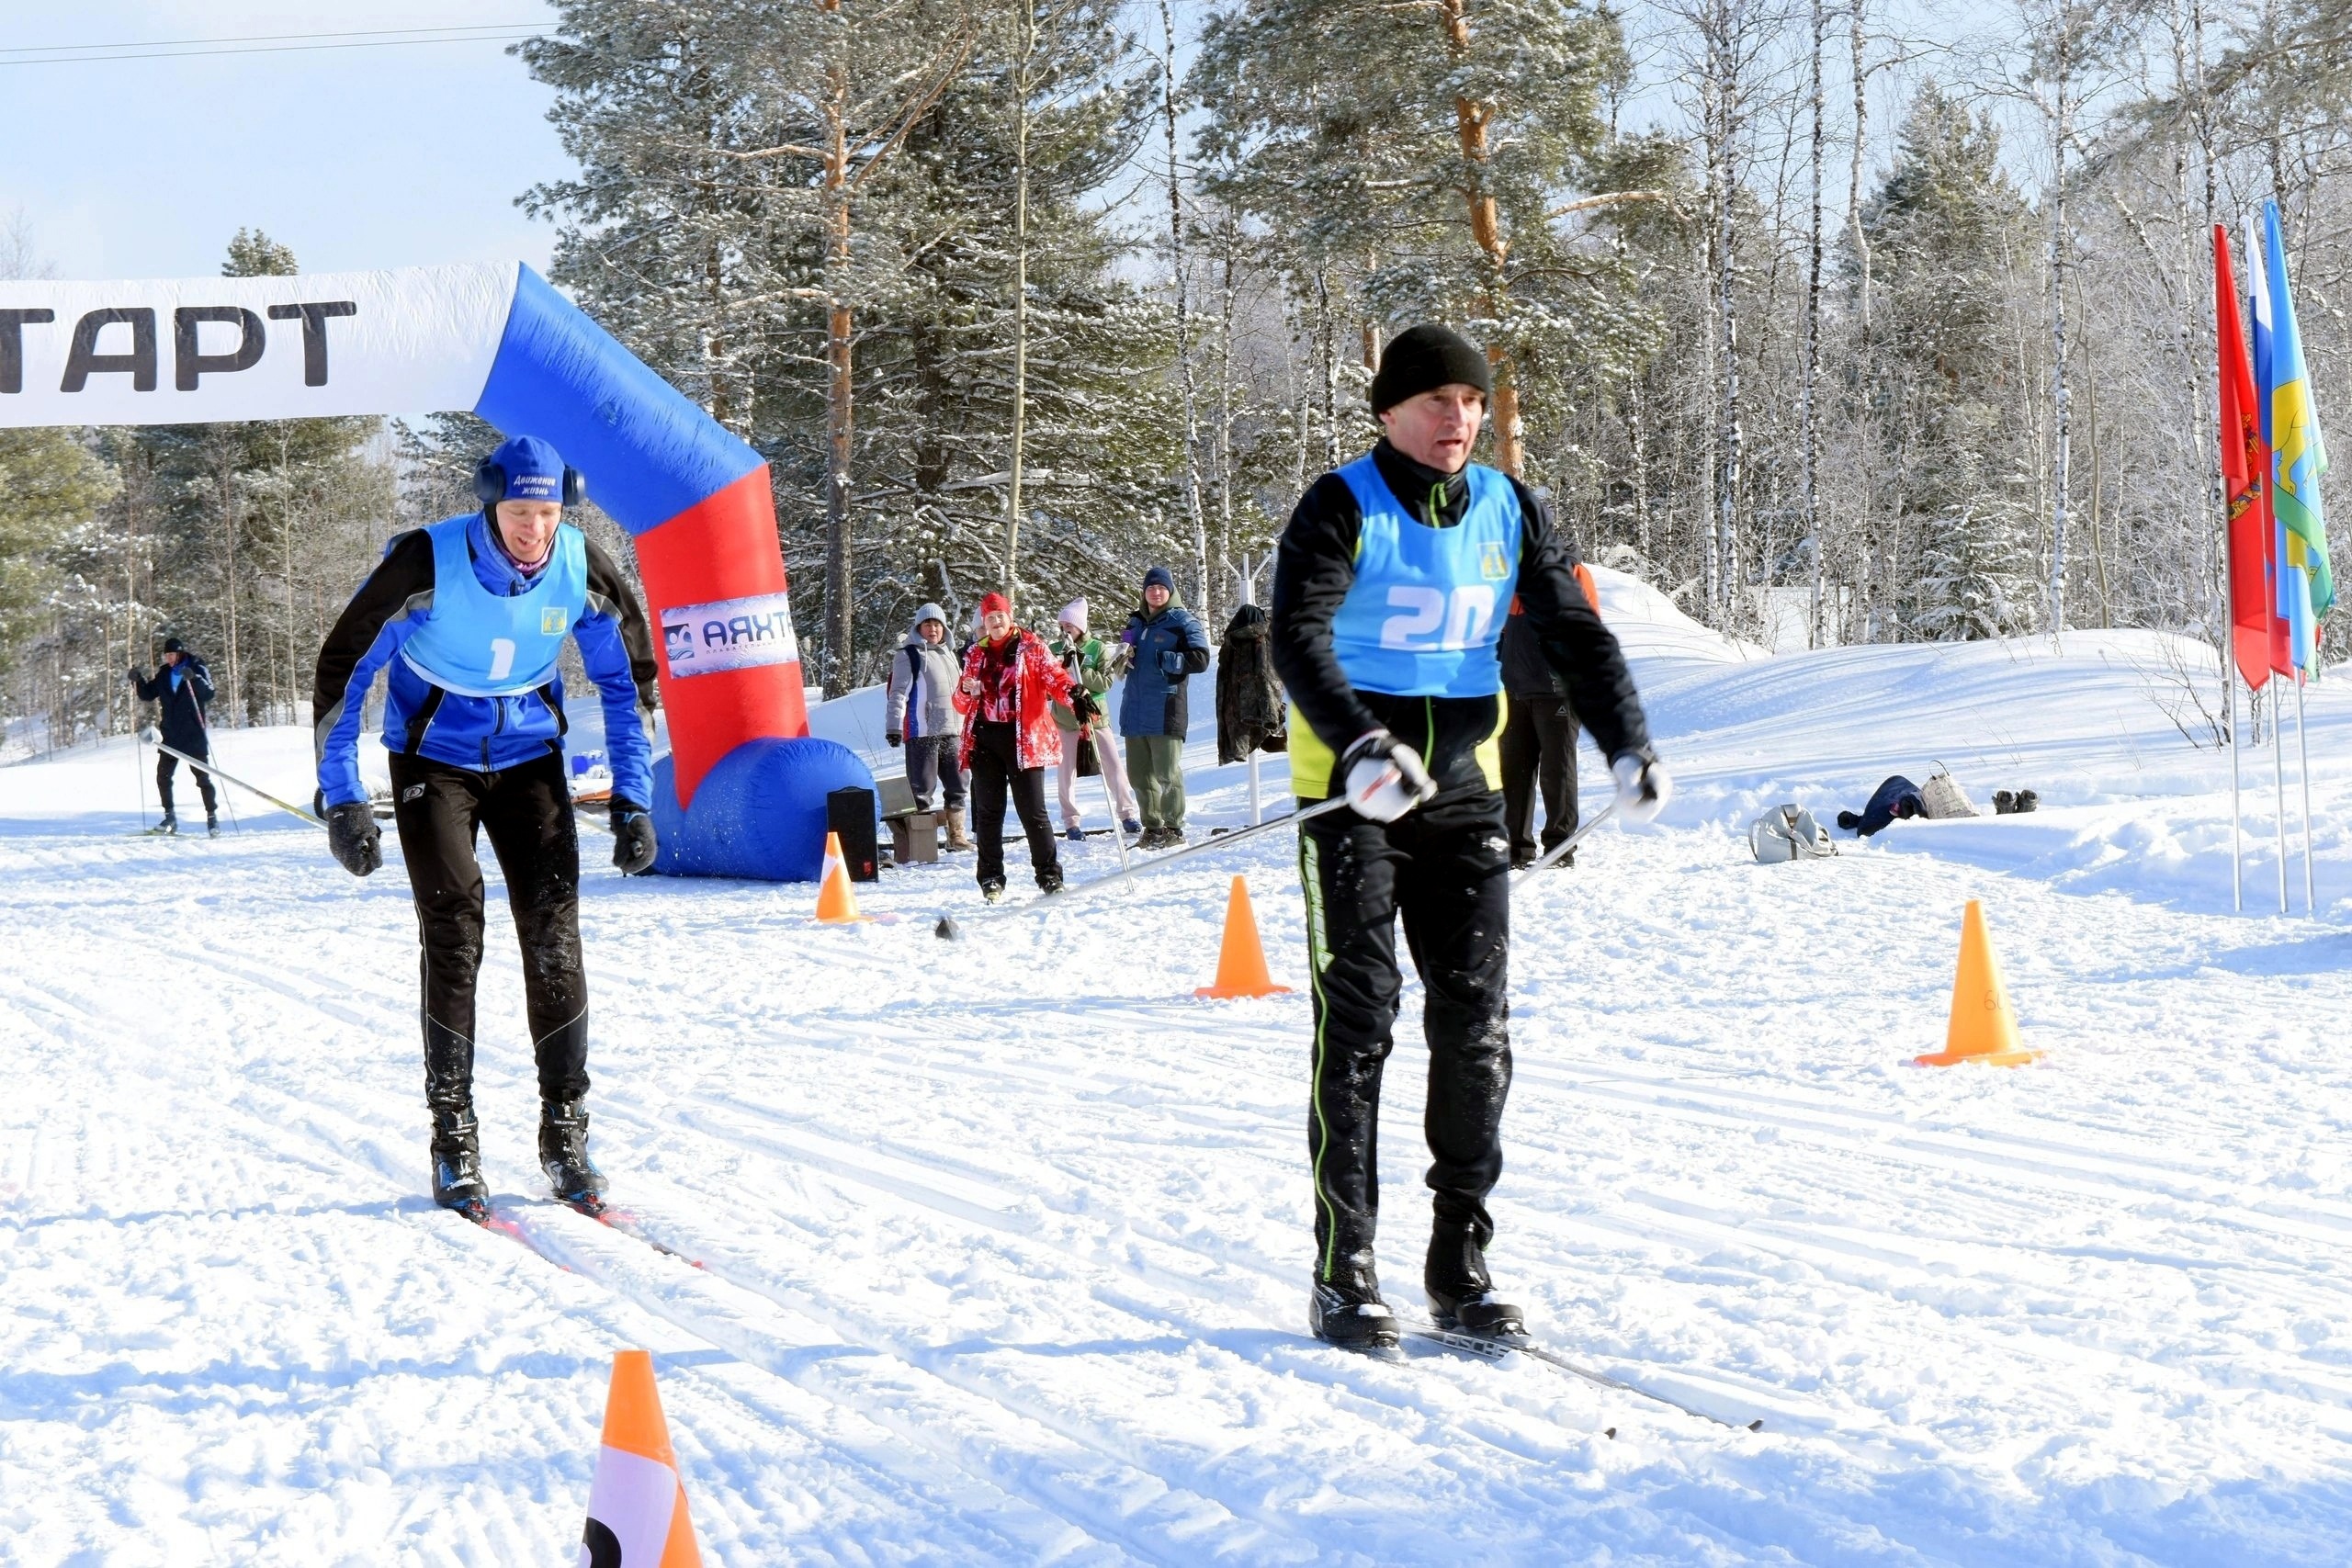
(836, 905)
(637, 1506)
(1242, 965)
(1983, 1026)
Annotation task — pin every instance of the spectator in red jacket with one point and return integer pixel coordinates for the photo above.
(1010, 682)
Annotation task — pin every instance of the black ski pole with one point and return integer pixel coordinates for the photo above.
(948, 928)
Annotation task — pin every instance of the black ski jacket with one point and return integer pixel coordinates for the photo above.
(1313, 569)
(185, 692)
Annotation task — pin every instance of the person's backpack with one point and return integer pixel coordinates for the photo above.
(1789, 832)
(1942, 798)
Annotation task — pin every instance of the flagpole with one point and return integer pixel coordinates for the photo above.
(2302, 748)
(2278, 778)
(2237, 837)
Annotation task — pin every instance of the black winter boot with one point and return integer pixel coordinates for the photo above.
(1348, 1311)
(1462, 1296)
(563, 1155)
(457, 1162)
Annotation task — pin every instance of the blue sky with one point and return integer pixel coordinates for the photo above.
(357, 158)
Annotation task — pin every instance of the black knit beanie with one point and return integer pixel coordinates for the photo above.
(1420, 359)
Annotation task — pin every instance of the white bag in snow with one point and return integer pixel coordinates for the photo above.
(1789, 832)
(1943, 797)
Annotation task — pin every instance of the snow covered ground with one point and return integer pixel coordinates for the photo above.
(1005, 1241)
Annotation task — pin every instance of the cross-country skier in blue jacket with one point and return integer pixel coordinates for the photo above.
(467, 617)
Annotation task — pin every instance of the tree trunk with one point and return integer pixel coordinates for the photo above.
(2062, 410)
(840, 607)
(1856, 17)
(1472, 122)
(1809, 457)
(1183, 312)
(1021, 89)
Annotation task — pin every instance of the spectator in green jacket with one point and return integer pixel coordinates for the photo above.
(1090, 667)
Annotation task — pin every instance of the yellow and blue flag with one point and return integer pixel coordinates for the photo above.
(2298, 453)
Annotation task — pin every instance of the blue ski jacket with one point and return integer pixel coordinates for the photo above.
(483, 733)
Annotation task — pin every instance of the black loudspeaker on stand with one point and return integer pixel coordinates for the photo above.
(850, 817)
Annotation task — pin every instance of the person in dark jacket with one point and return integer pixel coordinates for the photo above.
(1896, 800)
(1249, 698)
(1539, 742)
(1167, 646)
(182, 687)
(466, 618)
(1390, 587)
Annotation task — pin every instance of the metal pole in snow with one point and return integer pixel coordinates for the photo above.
(2278, 780)
(2237, 877)
(2303, 750)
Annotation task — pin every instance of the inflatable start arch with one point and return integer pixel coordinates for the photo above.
(743, 792)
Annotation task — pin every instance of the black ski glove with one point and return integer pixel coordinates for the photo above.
(632, 839)
(354, 837)
(1083, 705)
(891, 735)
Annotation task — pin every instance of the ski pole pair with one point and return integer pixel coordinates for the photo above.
(231, 778)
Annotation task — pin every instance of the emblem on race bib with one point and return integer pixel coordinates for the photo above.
(1494, 565)
(733, 634)
(552, 621)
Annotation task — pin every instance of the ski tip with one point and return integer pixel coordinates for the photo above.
(947, 930)
(1757, 1425)
(1609, 1432)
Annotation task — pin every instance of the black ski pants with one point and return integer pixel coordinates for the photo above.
(526, 811)
(1443, 870)
(996, 770)
(166, 765)
(1539, 742)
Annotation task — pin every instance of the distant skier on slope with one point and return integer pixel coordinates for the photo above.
(468, 617)
(1390, 587)
(183, 690)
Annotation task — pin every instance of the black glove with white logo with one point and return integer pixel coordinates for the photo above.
(354, 837)
(1384, 777)
(633, 844)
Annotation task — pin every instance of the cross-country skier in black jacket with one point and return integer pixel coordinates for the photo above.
(1390, 588)
(182, 690)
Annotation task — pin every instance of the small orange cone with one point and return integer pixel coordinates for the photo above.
(637, 1506)
(1983, 1026)
(1241, 965)
(836, 905)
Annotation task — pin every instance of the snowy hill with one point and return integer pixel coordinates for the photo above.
(1005, 1241)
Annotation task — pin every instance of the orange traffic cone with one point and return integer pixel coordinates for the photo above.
(1241, 965)
(1983, 1026)
(836, 905)
(637, 1506)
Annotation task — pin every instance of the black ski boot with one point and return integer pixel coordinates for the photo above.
(1049, 881)
(211, 825)
(169, 825)
(1348, 1311)
(1462, 1296)
(563, 1155)
(456, 1163)
(991, 891)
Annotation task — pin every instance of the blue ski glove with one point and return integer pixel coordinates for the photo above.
(633, 845)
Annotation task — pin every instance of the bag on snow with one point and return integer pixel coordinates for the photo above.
(1090, 766)
(1789, 832)
(1942, 798)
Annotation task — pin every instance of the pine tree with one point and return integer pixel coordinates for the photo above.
(1941, 231)
(1433, 147)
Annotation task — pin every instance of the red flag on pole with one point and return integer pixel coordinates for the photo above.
(2246, 470)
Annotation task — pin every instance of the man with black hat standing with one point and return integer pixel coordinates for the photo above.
(1390, 588)
(467, 617)
(182, 689)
